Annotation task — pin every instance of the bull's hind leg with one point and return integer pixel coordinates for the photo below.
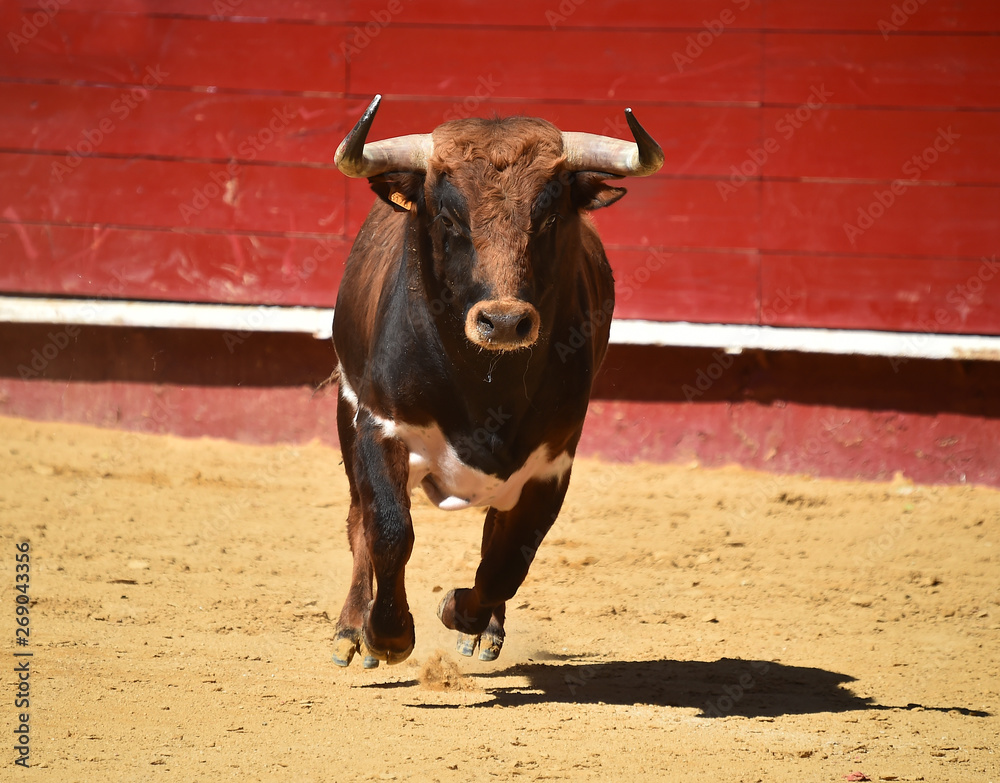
(510, 540)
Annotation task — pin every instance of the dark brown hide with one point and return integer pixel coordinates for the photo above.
(473, 314)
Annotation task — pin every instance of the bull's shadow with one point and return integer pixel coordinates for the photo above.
(719, 688)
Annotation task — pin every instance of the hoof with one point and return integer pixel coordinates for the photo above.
(488, 644)
(449, 613)
(345, 644)
(445, 606)
(490, 649)
(467, 644)
(383, 652)
(373, 655)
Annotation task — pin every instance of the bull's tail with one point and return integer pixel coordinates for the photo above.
(334, 378)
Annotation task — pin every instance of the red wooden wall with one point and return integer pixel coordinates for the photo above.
(181, 150)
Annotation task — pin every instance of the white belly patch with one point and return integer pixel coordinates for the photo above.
(451, 484)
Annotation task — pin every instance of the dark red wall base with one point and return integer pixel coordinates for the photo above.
(835, 416)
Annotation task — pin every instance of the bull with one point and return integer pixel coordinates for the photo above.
(473, 314)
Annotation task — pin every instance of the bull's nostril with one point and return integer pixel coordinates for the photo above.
(486, 326)
(502, 324)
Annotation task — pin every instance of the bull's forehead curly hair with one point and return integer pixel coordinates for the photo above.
(500, 165)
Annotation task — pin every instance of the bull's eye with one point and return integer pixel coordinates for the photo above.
(549, 222)
(450, 224)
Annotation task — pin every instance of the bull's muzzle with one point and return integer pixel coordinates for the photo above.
(502, 324)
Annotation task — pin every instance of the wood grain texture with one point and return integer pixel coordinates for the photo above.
(894, 294)
(133, 263)
(149, 193)
(885, 219)
(126, 49)
(785, 126)
(866, 70)
(577, 65)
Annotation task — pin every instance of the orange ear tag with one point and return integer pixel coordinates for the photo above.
(398, 198)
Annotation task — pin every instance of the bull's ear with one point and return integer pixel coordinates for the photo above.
(590, 191)
(401, 190)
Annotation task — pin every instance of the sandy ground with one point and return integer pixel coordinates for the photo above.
(678, 624)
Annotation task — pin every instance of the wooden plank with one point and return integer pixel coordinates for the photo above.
(678, 213)
(697, 140)
(881, 145)
(165, 194)
(897, 294)
(221, 126)
(636, 14)
(658, 212)
(568, 64)
(660, 285)
(169, 51)
(924, 220)
(695, 15)
(651, 283)
(865, 70)
(169, 265)
(854, 15)
(886, 17)
(246, 10)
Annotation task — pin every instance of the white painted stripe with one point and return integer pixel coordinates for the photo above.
(169, 315)
(317, 321)
(735, 338)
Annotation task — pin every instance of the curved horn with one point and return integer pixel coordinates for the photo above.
(590, 152)
(402, 153)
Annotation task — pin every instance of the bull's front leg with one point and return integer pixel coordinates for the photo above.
(381, 534)
(510, 540)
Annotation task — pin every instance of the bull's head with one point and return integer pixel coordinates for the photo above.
(501, 203)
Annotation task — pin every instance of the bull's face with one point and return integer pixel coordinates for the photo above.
(502, 216)
(499, 203)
